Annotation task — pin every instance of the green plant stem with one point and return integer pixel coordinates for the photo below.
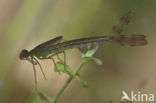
(69, 80)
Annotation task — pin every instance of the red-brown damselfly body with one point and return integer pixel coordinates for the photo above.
(45, 49)
(55, 46)
(50, 48)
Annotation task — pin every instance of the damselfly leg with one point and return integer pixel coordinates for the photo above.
(40, 67)
(35, 76)
(34, 62)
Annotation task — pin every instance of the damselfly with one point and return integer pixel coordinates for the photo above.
(54, 46)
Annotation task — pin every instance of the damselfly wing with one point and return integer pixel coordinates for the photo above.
(124, 20)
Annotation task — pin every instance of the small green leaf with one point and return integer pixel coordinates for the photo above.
(62, 67)
(91, 50)
(98, 61)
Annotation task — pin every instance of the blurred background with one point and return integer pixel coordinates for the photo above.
(27, 23)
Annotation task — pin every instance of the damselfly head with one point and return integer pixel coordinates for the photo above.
(24, 54)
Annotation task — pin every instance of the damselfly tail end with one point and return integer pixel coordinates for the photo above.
(132, 40)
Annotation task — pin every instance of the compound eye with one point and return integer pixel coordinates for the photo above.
(24, 55)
